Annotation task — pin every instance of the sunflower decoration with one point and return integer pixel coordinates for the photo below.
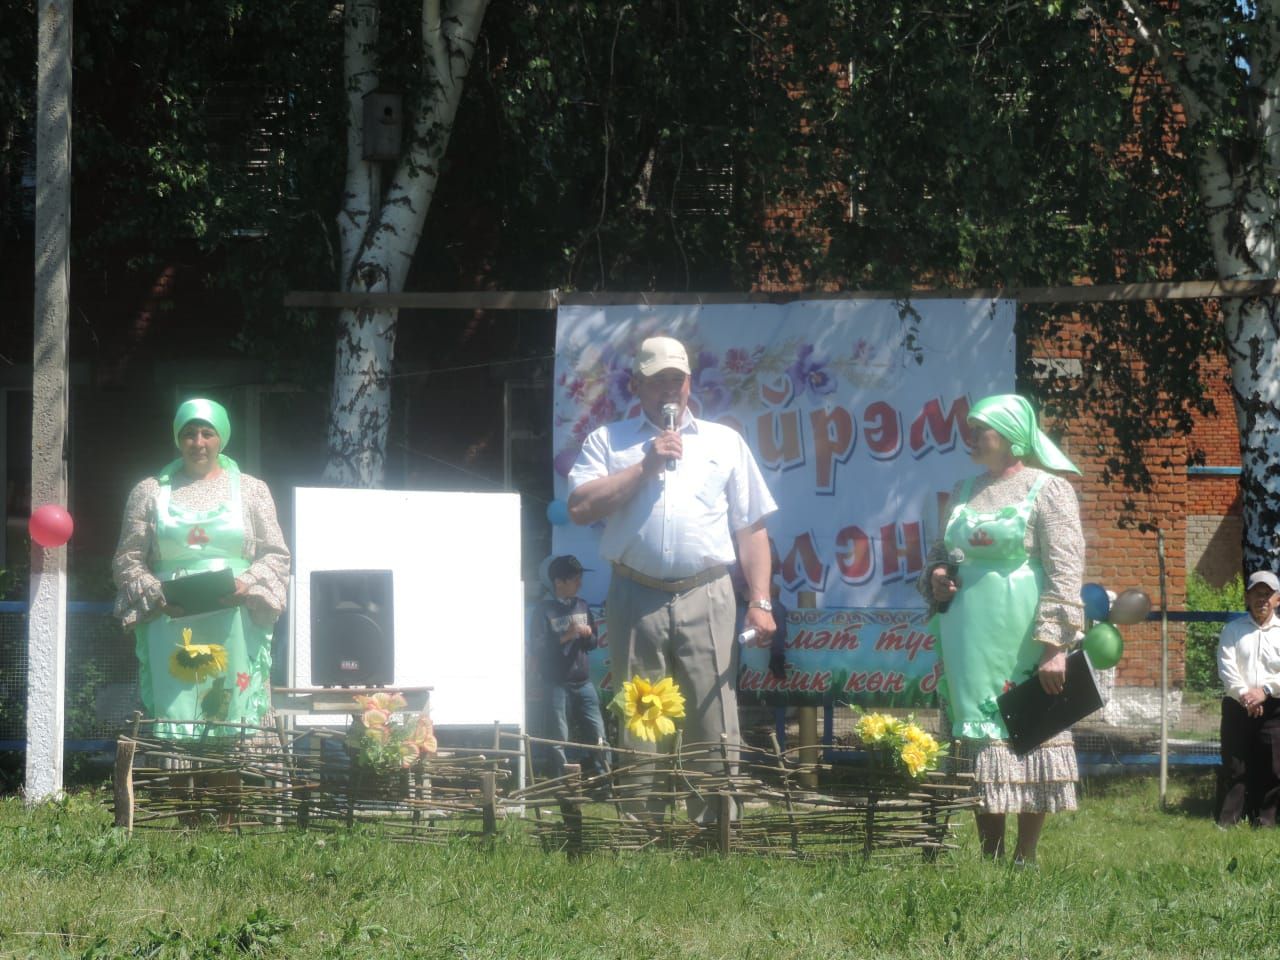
(194, 662)
(649, 709)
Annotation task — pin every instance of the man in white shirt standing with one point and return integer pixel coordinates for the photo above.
(676, 493)
(1249, 665)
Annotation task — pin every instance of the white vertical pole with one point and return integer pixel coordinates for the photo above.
(1164, 673)
(47, 623)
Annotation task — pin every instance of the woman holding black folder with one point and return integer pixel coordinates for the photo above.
(200, 514)
(1006, 581)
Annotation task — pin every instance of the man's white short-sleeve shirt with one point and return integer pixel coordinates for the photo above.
(682, 521)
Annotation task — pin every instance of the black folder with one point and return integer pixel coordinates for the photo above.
(1032, 716)
(199, 592)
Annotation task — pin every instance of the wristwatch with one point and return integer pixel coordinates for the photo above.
(764, 605)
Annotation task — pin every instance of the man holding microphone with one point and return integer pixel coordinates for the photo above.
(675, 494)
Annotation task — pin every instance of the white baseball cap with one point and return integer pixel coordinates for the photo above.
(1264, 576)
(661, 353)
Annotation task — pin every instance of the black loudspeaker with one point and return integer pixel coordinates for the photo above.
(352, 633)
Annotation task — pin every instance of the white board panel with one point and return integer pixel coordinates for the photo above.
(459, 610)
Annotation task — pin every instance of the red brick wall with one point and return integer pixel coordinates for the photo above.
(1213, 496)
(1218, 436)
(1182, 505)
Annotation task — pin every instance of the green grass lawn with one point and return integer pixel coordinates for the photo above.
(1118, 878)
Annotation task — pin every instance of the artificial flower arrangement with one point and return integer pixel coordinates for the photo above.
(649, 709)
(909, 748)
(383, 744)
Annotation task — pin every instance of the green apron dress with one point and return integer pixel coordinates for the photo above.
(193, 542)
(988, 633)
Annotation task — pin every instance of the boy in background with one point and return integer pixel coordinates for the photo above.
(565, 633)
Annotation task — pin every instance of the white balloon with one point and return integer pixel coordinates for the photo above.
(1132, 606)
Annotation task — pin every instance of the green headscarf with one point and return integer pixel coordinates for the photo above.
(210, 411)
(1013, 418)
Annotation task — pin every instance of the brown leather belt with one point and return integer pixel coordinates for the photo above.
(671, 586)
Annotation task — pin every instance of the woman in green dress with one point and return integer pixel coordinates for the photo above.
(200, 513)
(1008, 571)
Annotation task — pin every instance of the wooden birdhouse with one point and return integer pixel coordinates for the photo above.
(383, 125)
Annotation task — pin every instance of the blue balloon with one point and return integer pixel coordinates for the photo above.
(1097, 603)
(558, 513)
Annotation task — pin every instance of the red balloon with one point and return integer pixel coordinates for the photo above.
(50, 525)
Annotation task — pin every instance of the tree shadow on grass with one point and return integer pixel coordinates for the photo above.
(1192, 794)
(1197, 797)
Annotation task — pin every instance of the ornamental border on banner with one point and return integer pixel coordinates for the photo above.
(867, 658)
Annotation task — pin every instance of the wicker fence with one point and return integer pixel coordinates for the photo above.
(695, 798)
(102, 696)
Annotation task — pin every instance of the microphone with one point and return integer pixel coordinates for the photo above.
(950, 568)
(669, 411)
(952, 565)
(747, 635)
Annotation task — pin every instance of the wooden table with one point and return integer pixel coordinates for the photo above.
(296, 701)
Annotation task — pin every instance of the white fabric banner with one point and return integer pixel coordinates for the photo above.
(856, 412)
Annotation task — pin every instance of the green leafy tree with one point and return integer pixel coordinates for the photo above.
(1200, 656)
(844, 145)
(1221, 61)
(1039, 144)
(201, 156)
(675, 146)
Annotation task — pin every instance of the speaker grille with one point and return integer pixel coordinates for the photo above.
(352, 628)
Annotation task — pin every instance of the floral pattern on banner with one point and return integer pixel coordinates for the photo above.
(595, 386)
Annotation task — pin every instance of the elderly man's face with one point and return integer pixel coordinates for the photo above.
(665, 386)
(1261, 601)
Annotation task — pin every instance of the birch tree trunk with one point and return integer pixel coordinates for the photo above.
(1242, 224)
(381, 223)
(1227, 76)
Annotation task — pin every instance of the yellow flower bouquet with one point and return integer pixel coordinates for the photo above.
(382, 743)
(906, 746)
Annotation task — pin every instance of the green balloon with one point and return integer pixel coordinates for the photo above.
(1104, 645)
